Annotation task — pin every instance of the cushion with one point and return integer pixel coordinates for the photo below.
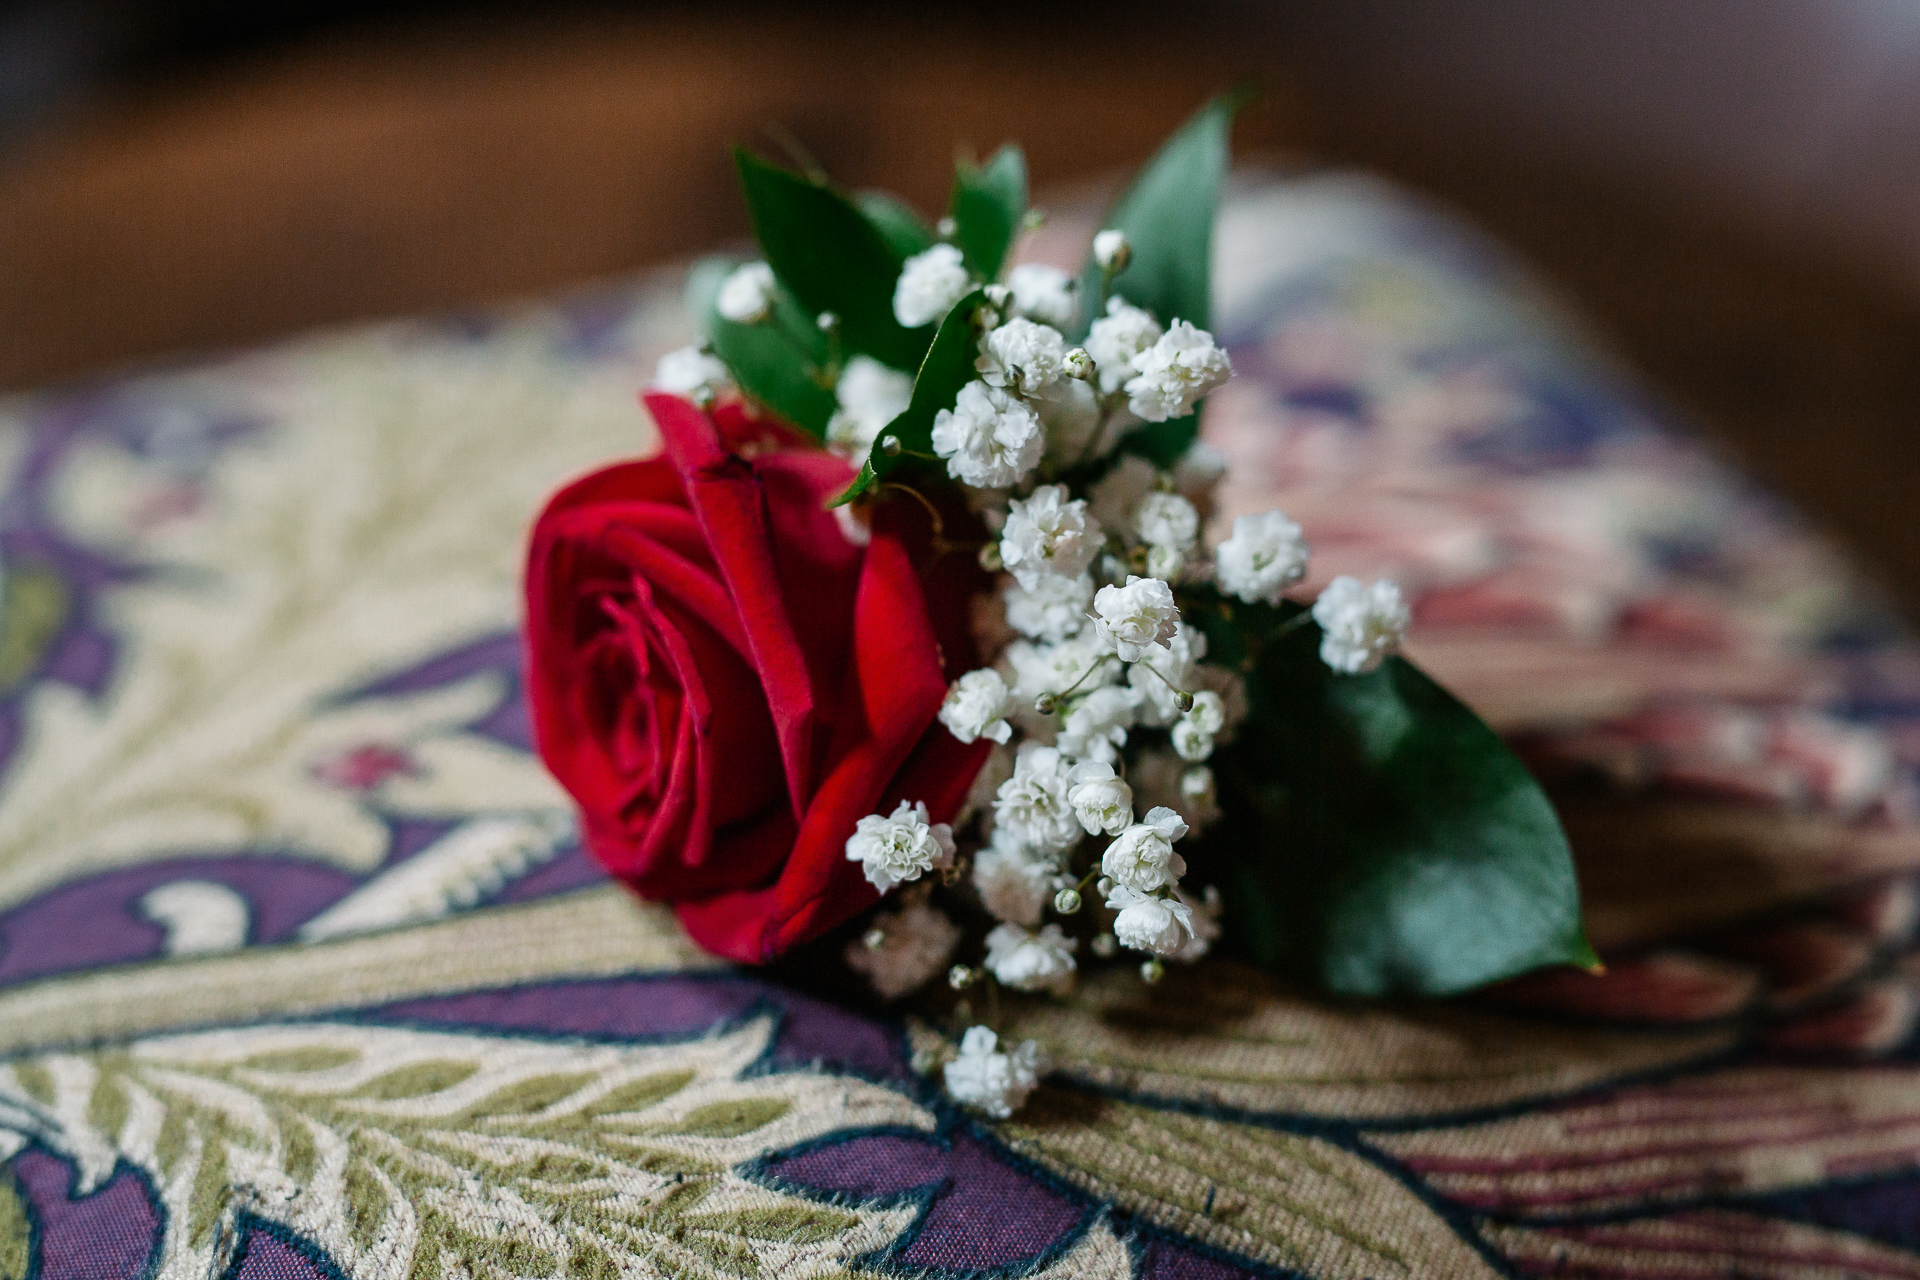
(303, 972)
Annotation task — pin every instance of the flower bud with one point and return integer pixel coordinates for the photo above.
(998, 295)
(990, 558)
(1067, 901)
(1112, 251)
(1078, 364)
(945, 228)
(828, 321)
(960, 977)
(874, 939)
(1183, 700)
(890, 445)
(1045, 704)
(1035, 219)
(1152, 971)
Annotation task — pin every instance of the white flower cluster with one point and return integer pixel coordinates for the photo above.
(1099, 702)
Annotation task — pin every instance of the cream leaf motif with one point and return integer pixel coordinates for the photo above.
(402, 1151)
(376, 520)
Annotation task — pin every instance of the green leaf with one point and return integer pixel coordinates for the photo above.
(947, 368)
(1168, 215)
(775, 362)
(897, 224)
(1380, 838)
(860, 484)
(831, 257)
(988, 203)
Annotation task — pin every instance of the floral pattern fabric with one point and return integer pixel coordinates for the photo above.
(304, 974)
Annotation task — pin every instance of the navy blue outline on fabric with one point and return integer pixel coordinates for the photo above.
(34, 1230)
(120, 1165)
(890, 1258)
(246, 1222)
(1747, 1201)
(1346, 1134)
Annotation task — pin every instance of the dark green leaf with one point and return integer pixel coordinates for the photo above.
(1380, 838)
(1168, 215)
(831, 257)
(897, 224)
(947, 368)
(989, 201)
(776, 363)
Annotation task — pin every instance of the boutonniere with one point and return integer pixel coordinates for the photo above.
(921, 625)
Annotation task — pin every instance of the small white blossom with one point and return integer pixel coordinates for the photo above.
(1070, 412)
(1096, 725)
(1199, 803)
(1146, 923)
(1014, 882)
(1162, 779)
(1231, 687)
(993, 1083)
(1049, 534)
(1111, 249)
(1173, 374)
(1101, 800)
(1362, 624)
(900, 847)
(1167, 520)
(1191, 742)
(1029, 961)
(1116, 338)
(1166, 563)
(1142, 856)
(915, 943)
(1022, 356)
(1266, 554)
(1136, 617)
(1209, 713)
(1054, 609)
(870, 395)
(1198, 472)
(1172, 671)
(1033, 806)
(746, 295)
(1203, 924)
(976, 707)
(930, 283)
(1117, 495)
(691, 371)
(989, 438)
(1044, 293)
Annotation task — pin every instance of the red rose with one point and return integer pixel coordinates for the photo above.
(726, 683)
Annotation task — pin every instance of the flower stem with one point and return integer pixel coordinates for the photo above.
(1091, 668)
(933, 512)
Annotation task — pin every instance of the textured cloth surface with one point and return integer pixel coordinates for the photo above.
(303, 974)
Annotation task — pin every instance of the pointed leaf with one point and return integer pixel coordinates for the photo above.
(947, 368)
(897, 224)
(831, 257)
(989, 201)
(1381, 838)
(861, 483)
(777, 362)
(1168, 215)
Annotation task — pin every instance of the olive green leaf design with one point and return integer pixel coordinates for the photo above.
(427, 1154)
(1227, 1036)
(1292, 1200)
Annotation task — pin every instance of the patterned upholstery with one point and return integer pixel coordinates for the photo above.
(303, 974)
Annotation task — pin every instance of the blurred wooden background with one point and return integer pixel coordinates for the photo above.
(444, 161)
